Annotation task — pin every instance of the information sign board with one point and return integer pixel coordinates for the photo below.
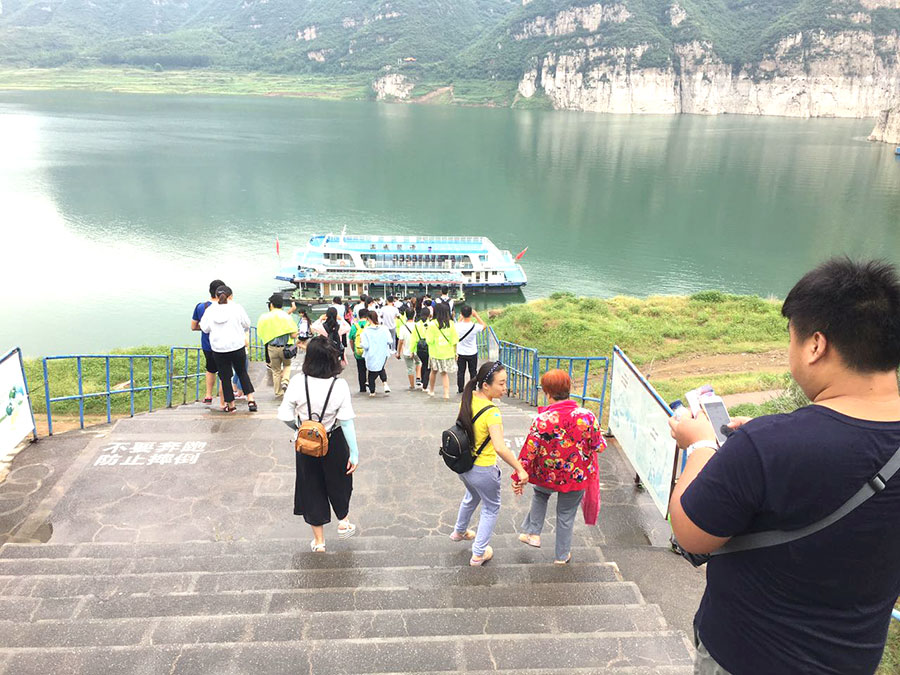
(639, 419)
(16, 419)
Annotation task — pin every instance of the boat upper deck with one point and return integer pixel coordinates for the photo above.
(426, 244)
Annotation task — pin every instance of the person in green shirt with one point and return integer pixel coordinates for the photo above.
(356, 341)
(442, 338)
(276, 330)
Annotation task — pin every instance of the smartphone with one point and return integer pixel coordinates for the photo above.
(715, 410)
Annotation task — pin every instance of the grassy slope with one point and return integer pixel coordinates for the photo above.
(143, 81)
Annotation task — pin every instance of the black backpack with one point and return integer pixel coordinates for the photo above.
(456, 446)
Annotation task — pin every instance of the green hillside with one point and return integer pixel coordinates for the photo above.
(430, 39)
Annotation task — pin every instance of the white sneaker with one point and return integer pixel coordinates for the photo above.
(387, 389)
(372, 394)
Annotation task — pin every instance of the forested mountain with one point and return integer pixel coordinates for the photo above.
(794, 57)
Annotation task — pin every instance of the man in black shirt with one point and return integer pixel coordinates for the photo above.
(821, 603)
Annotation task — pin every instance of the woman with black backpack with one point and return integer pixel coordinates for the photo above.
(334, 328)
(480, 417)
(421, 346)
(323, 482)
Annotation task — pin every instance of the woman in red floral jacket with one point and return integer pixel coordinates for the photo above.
(560, 455)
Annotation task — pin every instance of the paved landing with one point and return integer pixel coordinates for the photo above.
(174, 549)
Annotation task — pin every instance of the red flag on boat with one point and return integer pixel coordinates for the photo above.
(277, 247)
(519, 257)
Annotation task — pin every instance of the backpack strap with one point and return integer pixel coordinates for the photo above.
(775, 537)
(327, 397)
(487, 440)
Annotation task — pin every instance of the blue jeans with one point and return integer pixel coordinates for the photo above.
(482, 485)
(566, 510)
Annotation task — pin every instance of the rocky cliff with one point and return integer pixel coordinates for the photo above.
(817, 74)
(887, 126)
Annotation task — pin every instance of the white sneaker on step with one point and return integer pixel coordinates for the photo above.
(387, 389)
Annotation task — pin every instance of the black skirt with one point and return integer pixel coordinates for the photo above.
(323, 484)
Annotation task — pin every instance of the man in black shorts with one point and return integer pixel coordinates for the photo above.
(820, 603)
(204, 338)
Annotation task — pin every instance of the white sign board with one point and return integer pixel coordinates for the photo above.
(16, 421)
(639, 419)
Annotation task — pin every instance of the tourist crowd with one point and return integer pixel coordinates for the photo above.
(795, 515)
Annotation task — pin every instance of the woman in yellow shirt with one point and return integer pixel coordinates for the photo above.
(481, 419)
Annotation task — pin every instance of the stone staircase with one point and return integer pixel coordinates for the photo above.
(398, 598)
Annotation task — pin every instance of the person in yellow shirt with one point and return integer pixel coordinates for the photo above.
(276, 330)
(481, 418)
(442, 339)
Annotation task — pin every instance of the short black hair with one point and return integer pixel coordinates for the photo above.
(213, 285)
(322, 360)
(276, 300)
(337, 299)
(410, 313)
(445, 290)
(362, 313)
(391, 298)
(856, 305)
(466, 311)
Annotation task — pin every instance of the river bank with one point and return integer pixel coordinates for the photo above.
(234, 83)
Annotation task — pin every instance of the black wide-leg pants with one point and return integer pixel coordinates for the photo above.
(322, 483)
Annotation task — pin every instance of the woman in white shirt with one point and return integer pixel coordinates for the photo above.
(323, 483)
(226, 323)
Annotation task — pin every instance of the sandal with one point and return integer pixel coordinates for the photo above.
(531, 539)
(207, 400)
(564, 562)
(251, 406)
(476, 561)
(316, 548)
(346, 529)
(229, 409)
(468, 535)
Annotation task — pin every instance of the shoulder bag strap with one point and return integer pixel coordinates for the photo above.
(775, 537)
(468, 333)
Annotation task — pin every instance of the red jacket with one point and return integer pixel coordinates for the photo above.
(560, 452)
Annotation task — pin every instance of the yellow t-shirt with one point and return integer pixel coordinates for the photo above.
(488, 456)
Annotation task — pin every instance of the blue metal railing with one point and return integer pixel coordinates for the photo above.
(194, 368)
(594, 368)
(81, 396)
(257, 350)
(521, 365)
(895, 614)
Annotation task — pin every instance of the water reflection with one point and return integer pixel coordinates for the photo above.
(132, 203)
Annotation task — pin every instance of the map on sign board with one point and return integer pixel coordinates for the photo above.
(16, 421)
(639, 419)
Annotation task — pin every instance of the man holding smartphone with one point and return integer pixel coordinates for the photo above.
(820, 603)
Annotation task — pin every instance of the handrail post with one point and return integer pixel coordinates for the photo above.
(108, 394)
(150, 380)
(537, 376)
(131, 381)
(27, 393)
(80, 393)
(170, 366)
(47, 398)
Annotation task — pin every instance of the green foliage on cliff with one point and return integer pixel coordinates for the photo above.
(434, 40)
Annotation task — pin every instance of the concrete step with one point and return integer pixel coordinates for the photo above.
(228, 562)
(358, 625)
(161, 602)
(75, 582)
(363, 542)
(603, 652)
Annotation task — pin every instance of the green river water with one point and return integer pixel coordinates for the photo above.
(117, 210)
